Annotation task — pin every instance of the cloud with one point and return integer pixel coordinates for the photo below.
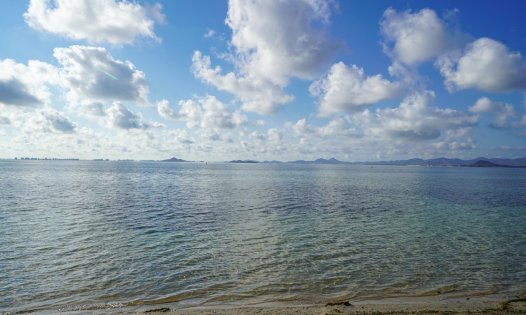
(301, 127)
(415, 37)
(483, 105)
(215, 115)
(485, 64)
(209, 33)
(274, 135)
(278, 39)
(91, 73)
(97, 21)
(14, 92)
(4, 120)
(455, 140)
(93, 109)
(273, 41)
(165, 110)
(413, 120)
(337, 127)
(348, 88)
(257, 95)
(49, 120)
(58, 121)
(119, 116)
(26, 85)
(502, 112)
(207, 112)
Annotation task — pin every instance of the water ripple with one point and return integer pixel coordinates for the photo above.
(88, 236)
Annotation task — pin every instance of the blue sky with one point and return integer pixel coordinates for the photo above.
(299, 79)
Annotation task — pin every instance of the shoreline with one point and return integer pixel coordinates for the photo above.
(451, 304)
(447, 303)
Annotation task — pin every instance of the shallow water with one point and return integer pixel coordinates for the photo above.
(81, 235)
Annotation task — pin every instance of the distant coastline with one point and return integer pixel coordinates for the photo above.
(477, 162)
(45, 159)
(442, 161)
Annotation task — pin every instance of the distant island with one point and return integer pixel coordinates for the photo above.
(320, 161)
(442, 161)
(453, 162)
(243, 161)
(174, 159)
(477, 162)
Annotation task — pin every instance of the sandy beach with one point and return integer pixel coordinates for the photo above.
(405, 305)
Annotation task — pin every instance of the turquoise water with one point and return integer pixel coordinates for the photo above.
(106, 236)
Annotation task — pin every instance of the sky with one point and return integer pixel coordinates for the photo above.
(262, 79)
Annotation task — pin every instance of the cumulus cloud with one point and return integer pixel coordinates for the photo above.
(455, 140)
(215, 115)
(97, 21)
(58, 121)
(414, 37)
(273, 41)
(165, 110)
(14, 92)
(49, 120)
(337, 127)
(207, 112)
(348, 88)
(485, 64)
(502, 112)
(278, 39)
(302, 127)
(257, 95)
(4, 120)
(93, 109)
(119, 116)
(414, 119)
(91, 73)
(26, 85)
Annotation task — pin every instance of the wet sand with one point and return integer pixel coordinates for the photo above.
(405, 305)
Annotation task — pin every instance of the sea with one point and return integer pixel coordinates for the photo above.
(96, 236)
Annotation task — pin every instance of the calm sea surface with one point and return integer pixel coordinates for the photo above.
(103, 236)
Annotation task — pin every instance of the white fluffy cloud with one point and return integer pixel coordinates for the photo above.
(337, 127)
(119, 116)
(414, 119)
(502, 112)
(348, 88)
(165, 110)
(26, 85)
(273, 41)
(91, 74)
(257, 95)
(207, 112)
(415, 37)
(485, 64)
(277, 39)
(49, 120)
(93, 108)
(97, 21)
(455, 140)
